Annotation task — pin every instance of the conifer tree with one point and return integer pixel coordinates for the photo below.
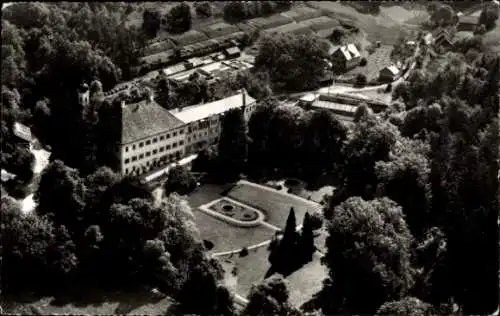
(307, 240)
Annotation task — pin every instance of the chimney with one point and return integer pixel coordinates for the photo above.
(244, 98)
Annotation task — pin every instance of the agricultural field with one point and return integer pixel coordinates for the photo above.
(218, 29)
(189, 37)
(384, 27)
(302, 13)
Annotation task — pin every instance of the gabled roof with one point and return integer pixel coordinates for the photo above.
(392, 69)
(198, 112)
(144, 119)
(349, 51)
(233, 50)
(468, 19)
(22, 131)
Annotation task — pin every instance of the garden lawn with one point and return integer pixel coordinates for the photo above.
(306, 282)
(225, 236)
(251, 269)
(275, 205)
(492, 38)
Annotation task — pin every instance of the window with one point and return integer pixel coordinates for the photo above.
(155, 151)
(126, 171)
(148, 154)
(141, 156)
(168, 147)
(127, 161)
(134, 158)
(189, 139)
(141, 144)
(162, 149)
(174, 145)
(175, 134)
(147, 163)
(155, 140)
(162, 138)
(181, 143)
(181, 131)
(168, 136)
(126, 148)
(148, 142)
(133, 147)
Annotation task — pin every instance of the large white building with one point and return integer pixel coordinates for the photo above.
(152, 137)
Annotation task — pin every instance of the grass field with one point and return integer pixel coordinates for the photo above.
(226, 237)
(275, 206)
(384, 27)
(375, 62)
(306, 282)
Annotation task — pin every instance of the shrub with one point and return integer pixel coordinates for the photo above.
(360, 81)
(363, 62)
(244, 252)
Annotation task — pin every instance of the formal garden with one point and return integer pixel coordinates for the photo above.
(244, 251)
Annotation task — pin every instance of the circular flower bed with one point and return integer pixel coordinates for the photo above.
(248, 216)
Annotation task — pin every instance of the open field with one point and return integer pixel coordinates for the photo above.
(375, 62)
(252, 269)
(382, 27)
(90, 302)
(276, 206)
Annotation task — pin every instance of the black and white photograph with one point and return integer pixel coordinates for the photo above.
(250, 158)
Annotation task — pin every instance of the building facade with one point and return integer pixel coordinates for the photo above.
(153, 137)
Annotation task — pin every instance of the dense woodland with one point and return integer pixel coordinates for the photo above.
(412, 226)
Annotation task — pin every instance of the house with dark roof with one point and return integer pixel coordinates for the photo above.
(467, 23)
(232, 52)
(389, 73)
(153, 137)
(150, 137)
(346, 57)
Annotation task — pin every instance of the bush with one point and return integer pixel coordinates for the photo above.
(363, 62)
(360, 81)
(316, 220)
(244, 252)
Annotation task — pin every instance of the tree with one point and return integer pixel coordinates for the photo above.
(286, 260)
(360, 81)
(179, 18)
(269, 298)
(489, 16)
(408, 170)
(443, 15)
(233, 143)
(180, 180)
(151, 21)
(293, 62)
(235, 11)
(60, 195)
(323, 137)
(337, 35)
(411, 306)
(203, 9)
(307, 239)
(371, 141)
(362, 237)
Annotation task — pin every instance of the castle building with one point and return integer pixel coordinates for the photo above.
(153, 137)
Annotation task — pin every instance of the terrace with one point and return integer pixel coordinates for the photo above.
(295, 28)
(269, 22)
(302, 13)
(219, 29)
(189, 37)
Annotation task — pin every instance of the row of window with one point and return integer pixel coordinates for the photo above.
(154, 152)
(155, 140)
(150, 165)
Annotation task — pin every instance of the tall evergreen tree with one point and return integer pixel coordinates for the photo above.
(233, 143)
(307, 239)
(288, 245)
